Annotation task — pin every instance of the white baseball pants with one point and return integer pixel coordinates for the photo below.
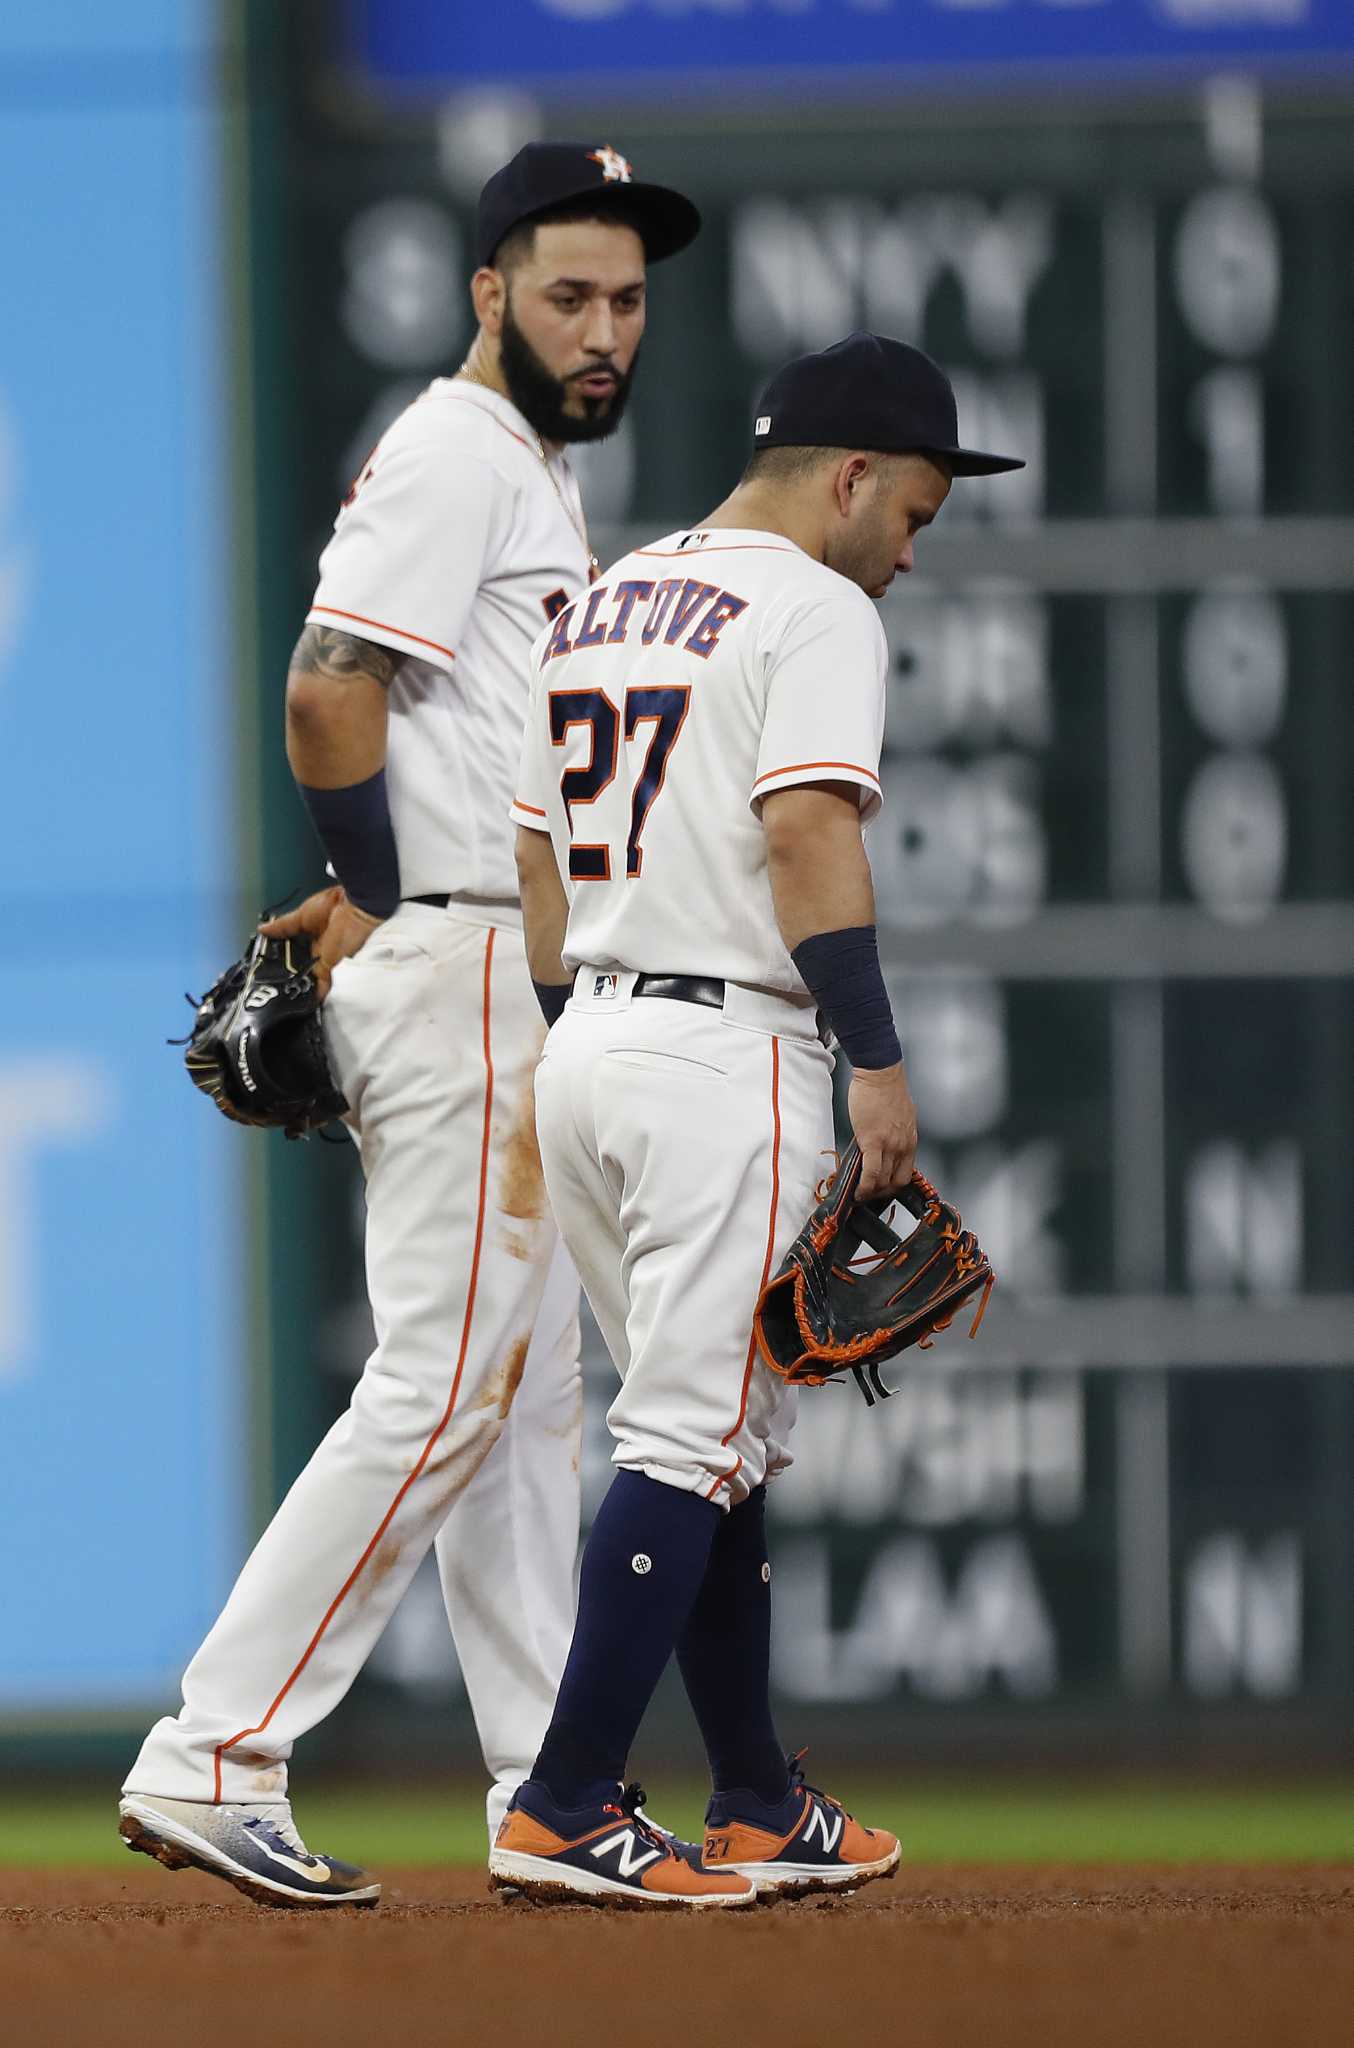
(464, 1427)
(682, 1147)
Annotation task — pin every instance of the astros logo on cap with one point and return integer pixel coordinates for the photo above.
(615, 167)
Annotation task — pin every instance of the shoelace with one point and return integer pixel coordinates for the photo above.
(799, 1783)
(281, 1833)
(626, 1808)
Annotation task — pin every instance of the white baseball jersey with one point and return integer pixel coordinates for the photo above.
(695, 677)
(456, 544)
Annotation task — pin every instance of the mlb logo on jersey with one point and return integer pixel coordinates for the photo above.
(604, 986)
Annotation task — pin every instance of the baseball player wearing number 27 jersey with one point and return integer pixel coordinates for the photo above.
(462, 537)
(701, 754)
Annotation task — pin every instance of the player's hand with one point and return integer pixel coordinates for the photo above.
(336, 927)
(884, 1119)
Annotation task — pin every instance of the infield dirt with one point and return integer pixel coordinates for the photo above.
(959, 1957)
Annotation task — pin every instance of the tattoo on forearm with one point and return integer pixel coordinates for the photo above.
(321, 651)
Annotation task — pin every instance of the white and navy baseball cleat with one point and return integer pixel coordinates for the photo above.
(807, 1842)
(255, 1848)
(603, 1855)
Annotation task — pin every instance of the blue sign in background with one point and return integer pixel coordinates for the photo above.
(122, 1410)
(652, 46)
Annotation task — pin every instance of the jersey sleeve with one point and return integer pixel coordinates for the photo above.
(533, 772)
(413, 544)
(827, 662)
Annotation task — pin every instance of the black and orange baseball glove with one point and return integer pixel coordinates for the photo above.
(831, 1309)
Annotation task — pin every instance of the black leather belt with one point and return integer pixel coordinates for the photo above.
(681, 988)
(443, 899)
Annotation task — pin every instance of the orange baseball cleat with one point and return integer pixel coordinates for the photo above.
(604, 1855)
(806, 1843)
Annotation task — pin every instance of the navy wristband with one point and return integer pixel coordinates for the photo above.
(355, 831)
(841, 970)
(552, 996)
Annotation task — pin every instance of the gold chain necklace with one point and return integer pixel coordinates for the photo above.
(578, 523)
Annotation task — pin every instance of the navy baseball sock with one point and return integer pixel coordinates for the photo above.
(725, 1657)
(642, 1568)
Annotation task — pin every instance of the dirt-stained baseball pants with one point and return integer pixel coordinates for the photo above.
(464, 1427)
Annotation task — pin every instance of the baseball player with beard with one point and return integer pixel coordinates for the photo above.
(701, 755)
(462, 536)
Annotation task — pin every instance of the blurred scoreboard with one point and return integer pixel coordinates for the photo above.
(1115, 866)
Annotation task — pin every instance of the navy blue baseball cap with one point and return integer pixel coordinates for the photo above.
(544, 175)
(870, 392)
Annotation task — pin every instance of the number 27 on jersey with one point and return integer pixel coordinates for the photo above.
(662, 709)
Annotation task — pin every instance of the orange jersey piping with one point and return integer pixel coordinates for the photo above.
(381, 627)
(801, 767)
(720, 547)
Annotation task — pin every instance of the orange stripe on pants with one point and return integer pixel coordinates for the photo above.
(450, 1409)
(766, 1262)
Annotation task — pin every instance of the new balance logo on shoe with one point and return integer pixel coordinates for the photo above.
(822, 1850)
(830, 1829)
(625, 1842)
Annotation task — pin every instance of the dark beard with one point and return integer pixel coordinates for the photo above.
(540, 397)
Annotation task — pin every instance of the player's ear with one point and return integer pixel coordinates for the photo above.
(850, 476)
(489, 295)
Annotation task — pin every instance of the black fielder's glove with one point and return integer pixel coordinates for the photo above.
(257, 1043)
(830, 1310)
